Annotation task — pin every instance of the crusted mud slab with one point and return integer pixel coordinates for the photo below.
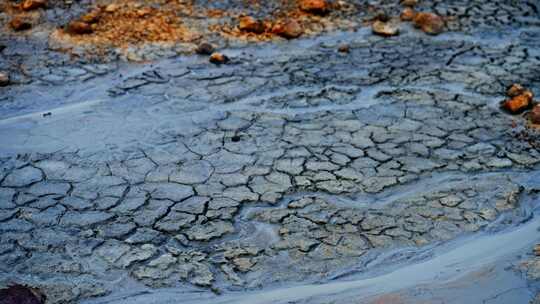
(338, 167)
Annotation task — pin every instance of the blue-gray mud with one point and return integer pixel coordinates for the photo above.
(292, 174)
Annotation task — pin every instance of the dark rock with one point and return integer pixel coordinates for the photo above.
(344, 48)
(18, 294)
(204, 49)
(382, 16)
(79, 28)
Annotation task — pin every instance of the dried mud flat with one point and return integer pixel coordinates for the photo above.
(338, 167)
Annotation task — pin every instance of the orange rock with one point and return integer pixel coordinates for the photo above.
(111, 8)
(410, 3)
(385, 29)
(249, 24)
(515, 90)
(144, 12)
(407, 14)
(218, 58)
(19, 24)
(290, 29)
(518, 103)
(314, 6)
(535, 119)
(79, 28)
(91, 17)
(29, 5)
(429, 23)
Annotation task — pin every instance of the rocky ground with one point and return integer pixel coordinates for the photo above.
(298, 160)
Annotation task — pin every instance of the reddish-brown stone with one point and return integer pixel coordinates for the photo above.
(535, 119)
(250, 24)
(218, 58)
(290, 29)
(20, 24)
(518, 103)
(91, 17)
(29, 5)
(410, 3)
(429, 23)
(79, 28)
(407, 14)
(314, 6)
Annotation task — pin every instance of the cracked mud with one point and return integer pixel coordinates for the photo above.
(292, 163)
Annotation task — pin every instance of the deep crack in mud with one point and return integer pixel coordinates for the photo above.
(340, 167)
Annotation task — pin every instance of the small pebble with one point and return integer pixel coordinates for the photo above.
(4, 79)
(204, 49)
(218, 58)
(344, 48)
(385, 29)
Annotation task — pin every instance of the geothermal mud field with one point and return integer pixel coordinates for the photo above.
(334, 165)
